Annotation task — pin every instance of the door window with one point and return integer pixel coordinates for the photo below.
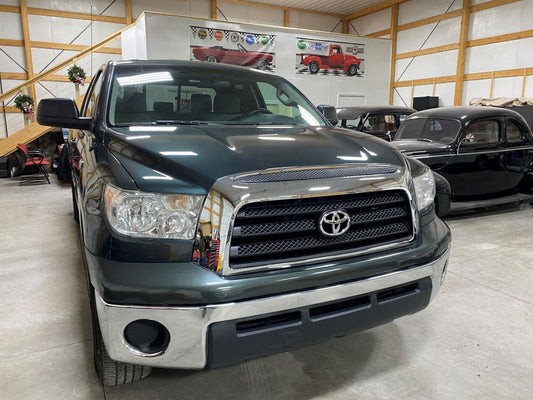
(380, 123)
(87, 108)
(403, 117)
(351, 123)
(484, 132)
(513, 133)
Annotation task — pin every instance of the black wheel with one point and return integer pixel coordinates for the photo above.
(75, 212)
(16, 163)
(352, 69)
(261, 64)
(313, 67)
(211, 59)
(110, 372)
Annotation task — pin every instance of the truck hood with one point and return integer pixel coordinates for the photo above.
(191, 158)
(419, 147)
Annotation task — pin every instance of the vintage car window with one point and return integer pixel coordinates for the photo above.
(403, 117)
(390, 123)
(151, 95)
(350, 123)
(483, 132)
(513, 133)
(379, 123)
(429, 129)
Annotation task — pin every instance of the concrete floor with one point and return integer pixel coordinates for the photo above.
(475, 341)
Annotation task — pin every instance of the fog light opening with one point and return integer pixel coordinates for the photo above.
(443, 275)
(146, 337)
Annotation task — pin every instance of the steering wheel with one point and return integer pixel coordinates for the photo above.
(251, 113)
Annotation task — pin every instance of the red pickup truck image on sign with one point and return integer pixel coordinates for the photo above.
(335, 60)
(240, 56)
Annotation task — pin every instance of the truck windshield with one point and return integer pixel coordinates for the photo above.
(151, 95)
(429, 129)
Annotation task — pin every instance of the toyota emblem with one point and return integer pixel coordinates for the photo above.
(334, 223)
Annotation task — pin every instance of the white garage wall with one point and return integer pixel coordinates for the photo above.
(10, 28)
(427, 66)
(518, 17)
(374, 22)
(315, 22)
(253, 14)
(430, 35)
(112, 8)
(415, 10)
(489, 60)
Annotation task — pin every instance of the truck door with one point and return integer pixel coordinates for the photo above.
(336, 57)
(80, 141)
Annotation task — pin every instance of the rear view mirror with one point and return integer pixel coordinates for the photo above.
(329, 112)
(61, 113)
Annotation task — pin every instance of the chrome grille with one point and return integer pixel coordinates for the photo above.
(280, 231)
(314, 173)
(296, 207)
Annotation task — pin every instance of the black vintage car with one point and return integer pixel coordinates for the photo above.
(380, 121)
(485, 153)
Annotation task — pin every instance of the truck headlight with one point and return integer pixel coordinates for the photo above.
(424, 189)
(424, 182)
(152, 215)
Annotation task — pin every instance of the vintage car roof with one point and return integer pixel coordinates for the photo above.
(465, 113)
(355, 111)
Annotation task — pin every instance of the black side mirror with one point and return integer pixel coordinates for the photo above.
(329, 112)
(62, 113)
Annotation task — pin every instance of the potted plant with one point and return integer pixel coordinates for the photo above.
(25, 104)
(76, 75)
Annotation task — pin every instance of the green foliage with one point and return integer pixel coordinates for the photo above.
(76, 73)
(22, 101)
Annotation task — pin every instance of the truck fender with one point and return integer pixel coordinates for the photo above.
(443, 195)
(309, 59)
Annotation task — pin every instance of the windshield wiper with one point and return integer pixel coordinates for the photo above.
(425, 140)
(178, 122)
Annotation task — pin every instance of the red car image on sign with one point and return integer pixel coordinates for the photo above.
(239, 56)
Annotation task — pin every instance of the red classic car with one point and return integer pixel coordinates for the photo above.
(239, 56)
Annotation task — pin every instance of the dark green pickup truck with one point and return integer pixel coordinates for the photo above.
(223, 218)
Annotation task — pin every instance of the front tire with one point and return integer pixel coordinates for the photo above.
(211, 59)
(261, 64)
(111, 372)
(313, 67)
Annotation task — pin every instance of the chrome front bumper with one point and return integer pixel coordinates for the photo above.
(188, 326)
